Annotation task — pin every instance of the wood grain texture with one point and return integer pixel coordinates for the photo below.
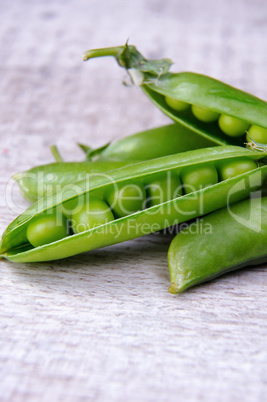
(102, 326)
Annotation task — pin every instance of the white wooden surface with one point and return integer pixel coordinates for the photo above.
(102, 326)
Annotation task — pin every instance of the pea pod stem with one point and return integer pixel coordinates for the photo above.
(14, 244)
(114, 51)
(56, 154)
(92, 153)
(235, 237)
(129, 58)
(85, 148)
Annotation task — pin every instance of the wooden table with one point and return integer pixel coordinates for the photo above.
(102, 326)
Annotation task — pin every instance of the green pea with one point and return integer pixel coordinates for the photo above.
(257, 134)
(93, 213)
(232, 126)
(205, 115)
(236, 167)
(73, 206)
(195, 178)
(176, 104)
(163, 187)
(125, 199)
(47, 228)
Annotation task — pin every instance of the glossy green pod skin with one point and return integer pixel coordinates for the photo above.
(192, 88)
(155, 143)
(14, 244)
(42, 180)
(225, 240)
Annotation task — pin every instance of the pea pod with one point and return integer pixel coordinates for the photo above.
(223, 241)
(15, 244)
(42, 180)
(166, 140)
(154, 143)
(234, 109)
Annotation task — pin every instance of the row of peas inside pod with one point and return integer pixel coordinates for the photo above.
(229, 125)
(119, 200)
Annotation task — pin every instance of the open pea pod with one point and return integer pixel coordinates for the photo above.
(219, 111)
(15, 245)
(223, 241)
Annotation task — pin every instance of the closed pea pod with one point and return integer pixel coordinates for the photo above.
(209, 97)
(15, 244)
(154, 143)
(42, 180)
(225, 240)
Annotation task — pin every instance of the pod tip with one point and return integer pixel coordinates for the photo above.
(173, 288)
(17, 176)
